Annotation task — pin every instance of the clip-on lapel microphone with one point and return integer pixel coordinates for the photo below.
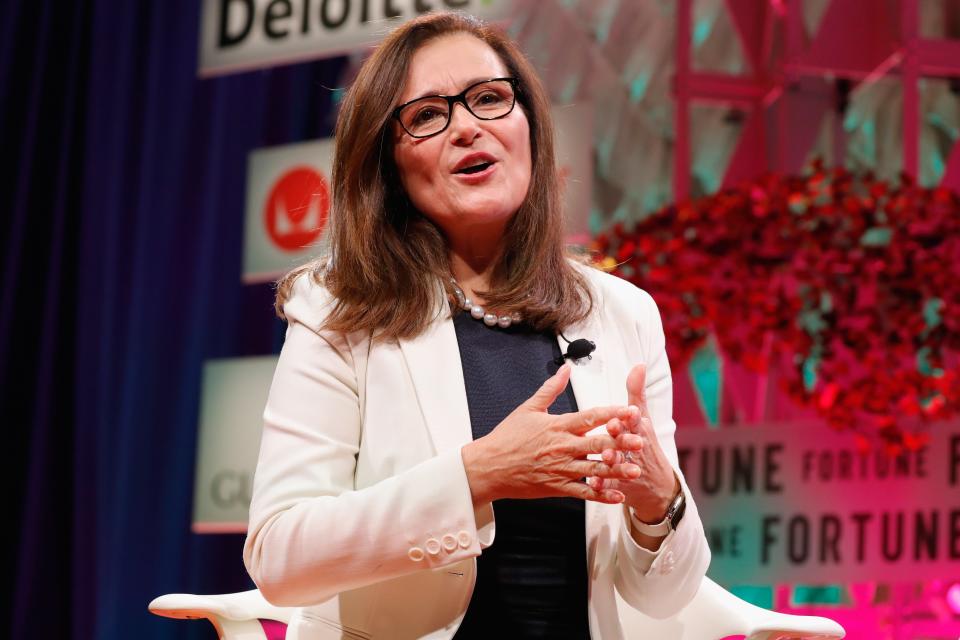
(579, 348)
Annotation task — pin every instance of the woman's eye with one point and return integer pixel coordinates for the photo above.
(425, 115)
(488, 97)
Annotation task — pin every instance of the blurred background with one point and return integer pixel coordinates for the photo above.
(781, 175)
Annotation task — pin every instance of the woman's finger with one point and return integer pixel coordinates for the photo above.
(604, 484)
(583, 446)
(632, 425)
(598, 469)
(584, 491)
(599, 444)
(584, 421)
(645, 425)
(629, 442)
(549, 390)
(615, 427)
(637, 386)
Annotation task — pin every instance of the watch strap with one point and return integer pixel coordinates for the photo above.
(670, 521)
(657, 530)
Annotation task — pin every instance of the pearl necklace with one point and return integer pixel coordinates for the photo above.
(479, 313)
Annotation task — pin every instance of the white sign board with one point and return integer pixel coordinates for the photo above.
(804, 504)
(288, 202)
(237, 35)
(231, 420)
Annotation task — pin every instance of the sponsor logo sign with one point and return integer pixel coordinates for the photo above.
(296, 209)
(804, 504)
(288, 203)
(237, 35)
(233, 396)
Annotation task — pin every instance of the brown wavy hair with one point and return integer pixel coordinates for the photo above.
(386, 259)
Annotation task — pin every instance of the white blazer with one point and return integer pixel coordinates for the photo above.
(361, 511)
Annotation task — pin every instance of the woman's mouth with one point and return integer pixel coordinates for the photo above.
(476, 168)
(476, 173)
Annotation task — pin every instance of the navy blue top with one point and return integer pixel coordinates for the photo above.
(532, 581)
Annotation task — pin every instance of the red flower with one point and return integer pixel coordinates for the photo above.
(847, 272)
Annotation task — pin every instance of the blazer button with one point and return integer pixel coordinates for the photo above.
(415, 554)
(433, 546)
(465, 539)
(449, 542)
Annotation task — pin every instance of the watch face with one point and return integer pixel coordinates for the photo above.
(681, 507)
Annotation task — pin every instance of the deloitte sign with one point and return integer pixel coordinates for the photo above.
(247, 34)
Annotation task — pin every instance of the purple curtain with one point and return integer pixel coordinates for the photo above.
(121, 204)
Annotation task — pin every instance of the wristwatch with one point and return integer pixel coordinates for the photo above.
(670, 520)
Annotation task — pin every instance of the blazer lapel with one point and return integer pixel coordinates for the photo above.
(591, 389)
(587, 374)
(433, 359)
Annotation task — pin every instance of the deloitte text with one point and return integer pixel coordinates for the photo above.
(247, 34)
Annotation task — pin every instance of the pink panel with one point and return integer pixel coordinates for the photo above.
(741, 388)
(842, 42)
(686, 407)
(724, 88)
(951, 177)
(750, 20)
(909, 77)
(939, 57)
(749, 159)
(796, 37)
(274, 630)
(804, 111)
(681, 118)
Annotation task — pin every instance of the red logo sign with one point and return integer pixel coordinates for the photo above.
(296, 209)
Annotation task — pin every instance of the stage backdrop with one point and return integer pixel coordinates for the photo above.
(121, 232)
(121, 206)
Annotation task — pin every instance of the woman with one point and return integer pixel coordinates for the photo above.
(399, 423)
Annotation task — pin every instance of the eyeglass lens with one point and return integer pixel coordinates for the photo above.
(486, 101)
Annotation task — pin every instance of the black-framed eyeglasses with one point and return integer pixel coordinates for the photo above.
(485, 100)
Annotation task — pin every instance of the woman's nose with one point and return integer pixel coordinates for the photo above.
(463, 126)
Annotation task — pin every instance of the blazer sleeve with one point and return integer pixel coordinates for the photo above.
(312, 534)
(664, 586)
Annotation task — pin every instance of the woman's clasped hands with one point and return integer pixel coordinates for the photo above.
(650, 494)
(535, 454)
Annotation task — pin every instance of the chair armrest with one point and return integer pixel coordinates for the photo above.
(716, 613)
(246, 605)
(757, 623)
(236, 616)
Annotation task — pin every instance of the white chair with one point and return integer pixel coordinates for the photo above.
(715, 613)
(236, 616)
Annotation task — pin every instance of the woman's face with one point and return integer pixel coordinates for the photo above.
(431, 168)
